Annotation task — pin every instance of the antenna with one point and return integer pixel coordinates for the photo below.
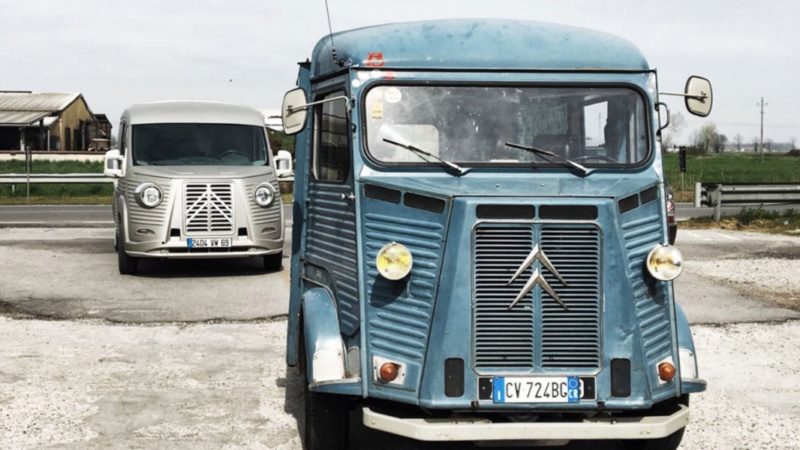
(336, 60)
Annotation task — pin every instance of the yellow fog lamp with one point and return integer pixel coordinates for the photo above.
(394, 261)
(665, 262)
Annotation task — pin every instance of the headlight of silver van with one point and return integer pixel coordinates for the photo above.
(148, 195)
(264, 194)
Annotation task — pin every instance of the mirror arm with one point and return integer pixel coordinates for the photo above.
(294, 109)
(659, 105)
(696, 97)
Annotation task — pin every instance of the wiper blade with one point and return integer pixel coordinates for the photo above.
(446, 164)
(564, 161)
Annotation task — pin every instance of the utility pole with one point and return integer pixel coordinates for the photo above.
(762, 104)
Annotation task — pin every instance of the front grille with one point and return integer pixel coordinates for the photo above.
(537, 333)
(209, 208)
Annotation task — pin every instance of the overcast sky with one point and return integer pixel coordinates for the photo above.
(118, 53)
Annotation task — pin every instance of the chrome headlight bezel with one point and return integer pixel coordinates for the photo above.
(664, 262)
(143, 199)
(269, 195)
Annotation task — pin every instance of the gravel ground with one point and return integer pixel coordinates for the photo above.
(90, 385)
(762, 277)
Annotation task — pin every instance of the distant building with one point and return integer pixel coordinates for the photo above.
(50, 121)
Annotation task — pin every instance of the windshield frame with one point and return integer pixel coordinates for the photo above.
(260, 130)
(646, 103)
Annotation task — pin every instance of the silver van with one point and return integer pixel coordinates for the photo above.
(194, 180)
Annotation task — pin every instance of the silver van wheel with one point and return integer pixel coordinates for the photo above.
(128, 265)
(273, 262)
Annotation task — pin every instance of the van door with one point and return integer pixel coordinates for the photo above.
(330, 240)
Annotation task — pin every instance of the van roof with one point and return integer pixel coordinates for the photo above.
(192, 111)
(487, 44)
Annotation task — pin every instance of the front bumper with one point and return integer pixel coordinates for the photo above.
(178, 249)
(481, 429)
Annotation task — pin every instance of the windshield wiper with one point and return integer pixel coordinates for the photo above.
(564, 161)
(446, 164)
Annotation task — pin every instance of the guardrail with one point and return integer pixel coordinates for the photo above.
(718, 194)
(54, 178)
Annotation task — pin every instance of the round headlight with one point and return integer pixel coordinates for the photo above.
(148, 195)
(394, 261)
(264, 194)
(665, 262)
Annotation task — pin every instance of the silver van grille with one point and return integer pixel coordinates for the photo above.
(537, 333)
(209, 208)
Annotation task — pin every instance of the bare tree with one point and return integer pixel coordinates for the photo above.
(738, 139)
(792, 143)
(755, 144)
(673, 133)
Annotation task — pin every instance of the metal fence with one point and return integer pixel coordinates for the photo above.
(717, 195)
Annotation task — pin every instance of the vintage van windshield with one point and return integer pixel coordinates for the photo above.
(205, 144)
(594, 126)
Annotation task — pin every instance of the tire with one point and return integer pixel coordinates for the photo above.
(128, 265)
(325, 416)
(273, 263)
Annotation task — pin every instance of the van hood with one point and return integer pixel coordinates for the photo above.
(201, 171)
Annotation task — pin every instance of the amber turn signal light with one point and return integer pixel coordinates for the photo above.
(666, 371)
(388, 372)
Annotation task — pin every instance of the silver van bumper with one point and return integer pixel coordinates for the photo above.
(481, 429)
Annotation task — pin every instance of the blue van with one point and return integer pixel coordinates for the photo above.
(480, 248)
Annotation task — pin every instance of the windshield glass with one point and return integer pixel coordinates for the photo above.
(594, 126)
(205, 144)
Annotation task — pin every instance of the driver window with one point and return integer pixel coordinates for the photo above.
(332, 150)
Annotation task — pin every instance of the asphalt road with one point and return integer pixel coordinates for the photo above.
(189, 354)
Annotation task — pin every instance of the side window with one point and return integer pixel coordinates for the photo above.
(123, 142)
(67, 139)
(332, 150)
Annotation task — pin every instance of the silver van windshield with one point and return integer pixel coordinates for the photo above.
(205, 144)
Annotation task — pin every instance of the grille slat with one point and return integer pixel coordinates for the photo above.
(537, 333)
(208, 208)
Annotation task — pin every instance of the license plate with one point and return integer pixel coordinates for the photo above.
(208, 243)
(537, 389)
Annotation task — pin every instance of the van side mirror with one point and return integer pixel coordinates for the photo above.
(698, 96)
(283, 164)
(294, 111)
(112, 164)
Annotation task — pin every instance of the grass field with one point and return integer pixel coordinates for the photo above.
(729, 168)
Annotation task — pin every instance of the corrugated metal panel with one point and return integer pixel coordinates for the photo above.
(400, 324)
(331, 244)
(21, 118)
(36, 101)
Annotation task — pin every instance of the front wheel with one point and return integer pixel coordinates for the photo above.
(128, 265)
(273, 262)
(325, 417)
